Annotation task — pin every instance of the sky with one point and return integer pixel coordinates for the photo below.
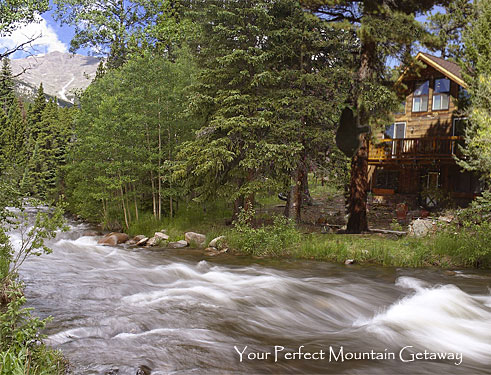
(51, 36)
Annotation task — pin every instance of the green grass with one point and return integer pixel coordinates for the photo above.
(209, 220)
(446, 250)
(404, 252)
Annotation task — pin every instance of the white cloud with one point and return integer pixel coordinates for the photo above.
(46, 39)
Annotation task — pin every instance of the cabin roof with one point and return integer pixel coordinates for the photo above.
(448, 68)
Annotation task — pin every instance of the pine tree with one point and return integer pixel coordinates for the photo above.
(477, 74)
(448, 27)
(7, 93)
(12, 143)
(234, 151)
(311, 62)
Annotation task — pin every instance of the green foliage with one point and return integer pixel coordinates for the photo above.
(21, 349)
(17, 12)
(467, 245)
(448, 27)
(45, 226)
(266, 240)
(270, 86)
(477, 74)
(119, 30)
(127, 136)
(7, 95)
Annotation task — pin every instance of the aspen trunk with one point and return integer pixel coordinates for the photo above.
(124, 207)
(136, 203)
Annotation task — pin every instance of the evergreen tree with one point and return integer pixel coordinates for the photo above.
(35, 112)
(477, 74)
(14, 139)
(235, 150)
(311, 63)
(7, 93)
(449, 25)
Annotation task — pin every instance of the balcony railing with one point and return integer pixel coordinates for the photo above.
(414, 149)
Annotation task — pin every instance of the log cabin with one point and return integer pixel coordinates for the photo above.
(414, 158)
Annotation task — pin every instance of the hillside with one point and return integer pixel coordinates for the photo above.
(61, 74)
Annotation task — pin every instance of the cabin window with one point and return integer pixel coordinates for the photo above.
(420, 96)
(441, 94)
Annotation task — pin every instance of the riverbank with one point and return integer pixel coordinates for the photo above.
(449, 247)
(458, 244)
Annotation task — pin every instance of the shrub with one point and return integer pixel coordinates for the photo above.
(271, 240)
(468, 245)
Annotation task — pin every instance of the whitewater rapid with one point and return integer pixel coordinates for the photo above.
(179, 312)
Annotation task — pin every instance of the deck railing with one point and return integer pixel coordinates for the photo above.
(414, 149)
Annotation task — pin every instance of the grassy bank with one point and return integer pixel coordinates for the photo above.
(452, 247)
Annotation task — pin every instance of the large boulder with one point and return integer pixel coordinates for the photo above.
(178, 245)
(196, 239)
(113, 238)
(421, 227)
(161, 236)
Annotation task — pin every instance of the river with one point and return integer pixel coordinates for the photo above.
(116, 309)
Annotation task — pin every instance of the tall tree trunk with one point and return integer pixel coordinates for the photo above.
(152, 180)
(169, 139)
(293, 206)
(136, 203)
(357, 207)
(124, 207)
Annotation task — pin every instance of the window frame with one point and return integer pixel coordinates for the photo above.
(441, 94)
(421, 97)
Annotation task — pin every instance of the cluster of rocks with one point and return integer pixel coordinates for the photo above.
(424, 226)
(215, 247)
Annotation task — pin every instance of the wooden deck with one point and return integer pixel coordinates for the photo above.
(413, 149)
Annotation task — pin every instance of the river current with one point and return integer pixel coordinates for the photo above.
(116, 309)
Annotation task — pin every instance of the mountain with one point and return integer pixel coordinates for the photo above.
(60, 73)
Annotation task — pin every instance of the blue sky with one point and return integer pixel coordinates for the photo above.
(50, 37)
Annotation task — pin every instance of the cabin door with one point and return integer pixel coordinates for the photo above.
(399, 133)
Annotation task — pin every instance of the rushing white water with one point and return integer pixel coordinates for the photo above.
(176, 311)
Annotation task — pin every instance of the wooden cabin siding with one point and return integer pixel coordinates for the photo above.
(432, 122)
(403, 165)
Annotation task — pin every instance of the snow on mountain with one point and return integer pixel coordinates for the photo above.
(60, 73)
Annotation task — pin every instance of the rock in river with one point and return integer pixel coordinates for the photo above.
(113, 238)
(195, 238)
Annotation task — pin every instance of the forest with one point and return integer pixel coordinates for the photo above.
(202, 112)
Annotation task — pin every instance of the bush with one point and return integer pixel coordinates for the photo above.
(469, 245)
(270, 240)
(21, 349)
